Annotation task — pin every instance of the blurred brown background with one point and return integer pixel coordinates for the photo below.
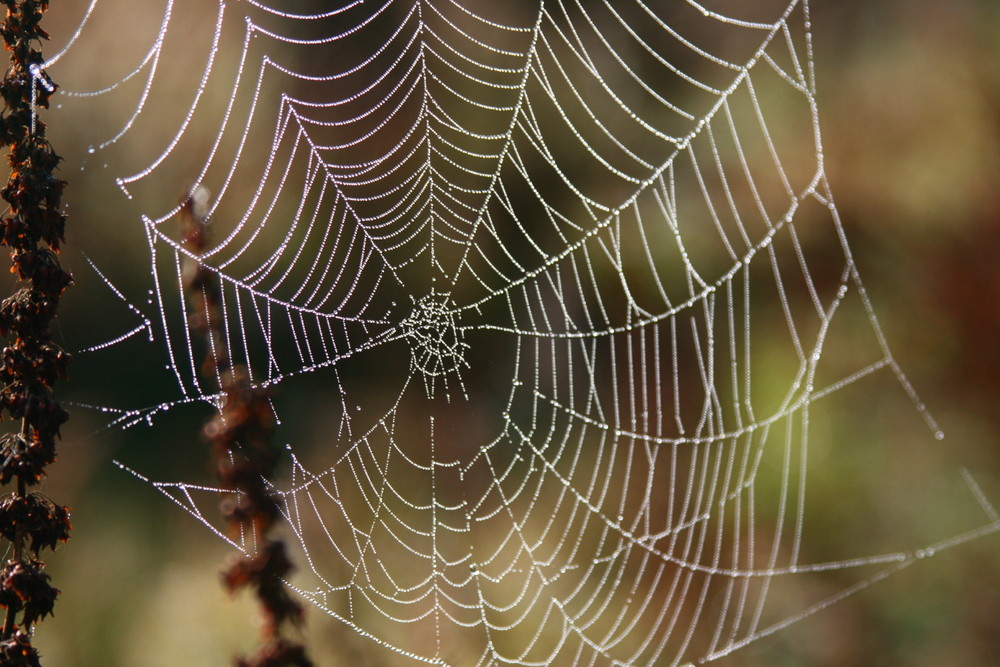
(909, 98)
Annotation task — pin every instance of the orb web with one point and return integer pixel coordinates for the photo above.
(566, 276)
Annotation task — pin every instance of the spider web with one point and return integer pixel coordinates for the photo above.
(568, 273)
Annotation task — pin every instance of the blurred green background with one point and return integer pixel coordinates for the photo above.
(909, 99)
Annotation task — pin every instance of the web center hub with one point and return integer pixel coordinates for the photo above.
(437, 343)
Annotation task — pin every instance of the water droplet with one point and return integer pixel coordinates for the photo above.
(939, 435)
(58, 106)
(90, 149)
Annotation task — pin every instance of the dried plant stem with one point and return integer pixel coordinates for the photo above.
(244, 460)
(32, 227)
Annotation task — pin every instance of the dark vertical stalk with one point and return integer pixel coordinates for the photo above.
(244, 459)
(32, 227)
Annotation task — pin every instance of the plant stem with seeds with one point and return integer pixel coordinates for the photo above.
(32, 228)
(243, 458)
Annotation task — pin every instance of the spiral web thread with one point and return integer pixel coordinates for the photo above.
(545, 233)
